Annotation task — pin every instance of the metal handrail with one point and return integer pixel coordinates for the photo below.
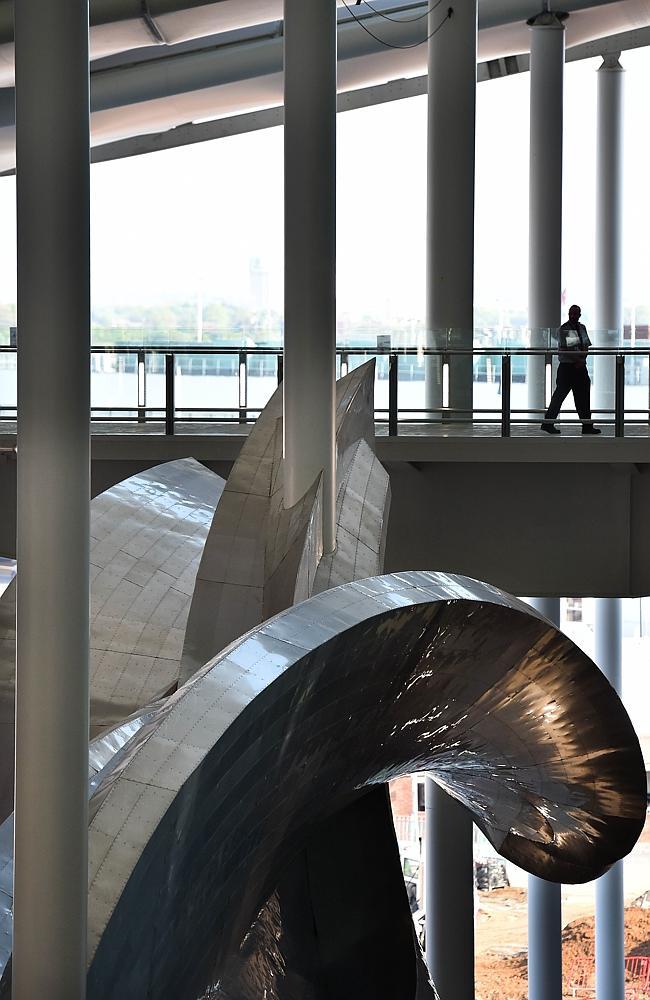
(505, 415)
(203, 349)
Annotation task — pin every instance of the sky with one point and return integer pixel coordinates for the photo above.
(185, 223)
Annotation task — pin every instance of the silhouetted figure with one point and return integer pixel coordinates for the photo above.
(572, 374)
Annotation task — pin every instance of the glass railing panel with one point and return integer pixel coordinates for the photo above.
(637, 388)
(8, 389)
(181, 336)
(602, 372)
(151, 387)
(530, 387)
(114, 385)
(382, 365)
(487, 389)
(262, 380)
(133, 336)
(455, 339)
(411, 371)
(130, 384)
(207, 387)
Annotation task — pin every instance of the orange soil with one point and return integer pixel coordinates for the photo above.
(505, 978)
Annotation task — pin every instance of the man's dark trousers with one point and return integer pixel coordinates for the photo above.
(574, 378)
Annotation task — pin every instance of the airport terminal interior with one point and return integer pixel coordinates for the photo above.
(324, 638)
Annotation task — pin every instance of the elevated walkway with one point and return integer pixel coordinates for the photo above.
(534, 514)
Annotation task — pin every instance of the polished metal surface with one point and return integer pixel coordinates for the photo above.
(147, 536)
(261, 557)
(7, 572)
(291, 725)
(254, 547)
(363, 488)
(361, 521)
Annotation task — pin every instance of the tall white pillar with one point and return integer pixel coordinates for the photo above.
(545, 898)
(545, 192)
(51, 798)
(608, 327)
(451, 121)
(610, 917)
(310, 252)
(449, 894)
(451, 139)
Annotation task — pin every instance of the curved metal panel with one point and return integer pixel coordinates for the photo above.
(293, 723)
(147, 536)
(363, 488)
(261, 557)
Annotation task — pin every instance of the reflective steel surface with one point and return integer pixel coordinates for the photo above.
(261, 557)
(147, 536)
(291, 726)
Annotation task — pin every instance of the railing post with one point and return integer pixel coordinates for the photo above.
(444, 361)
(280, 358)
(548, 360)
(142, 396)
(506, 381)
(243, 386)
(169, 395)
(392, 395)
(344, 364)
(619, 411)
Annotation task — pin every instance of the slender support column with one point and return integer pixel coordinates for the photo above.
(449, 894)
(545, 205)
(51, 799)
(609, 228)
(310, 252)
(610, 918)
(545, 899)
(450, 200)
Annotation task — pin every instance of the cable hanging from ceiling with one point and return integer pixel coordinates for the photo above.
(399, 20)
(410, 45)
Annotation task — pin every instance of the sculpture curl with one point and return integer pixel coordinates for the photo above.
(263, 765)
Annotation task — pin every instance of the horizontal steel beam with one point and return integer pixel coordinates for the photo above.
(396, 90)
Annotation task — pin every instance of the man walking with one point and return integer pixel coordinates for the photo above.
(572, 374)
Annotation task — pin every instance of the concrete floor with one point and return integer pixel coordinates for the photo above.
(447, 429)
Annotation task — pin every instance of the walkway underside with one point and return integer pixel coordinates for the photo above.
(534, 515)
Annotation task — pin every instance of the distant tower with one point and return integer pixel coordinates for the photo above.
(259, 285)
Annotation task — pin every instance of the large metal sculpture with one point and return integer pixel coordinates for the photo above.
(206, 823)
(224, 815)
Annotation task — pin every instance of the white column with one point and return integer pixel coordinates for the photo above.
(545, 194)
(608, 327)
(310, 252)
(545, 898)
(610, 918)
(449, 894)
(450, 199)
(52, 184)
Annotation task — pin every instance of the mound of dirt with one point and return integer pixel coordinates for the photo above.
(505, 978)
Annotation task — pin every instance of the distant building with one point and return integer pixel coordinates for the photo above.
(259, 285)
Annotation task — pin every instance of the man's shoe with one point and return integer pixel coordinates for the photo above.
(551, 428)
(590, 429)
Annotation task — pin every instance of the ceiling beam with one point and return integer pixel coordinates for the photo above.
(395, 90)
